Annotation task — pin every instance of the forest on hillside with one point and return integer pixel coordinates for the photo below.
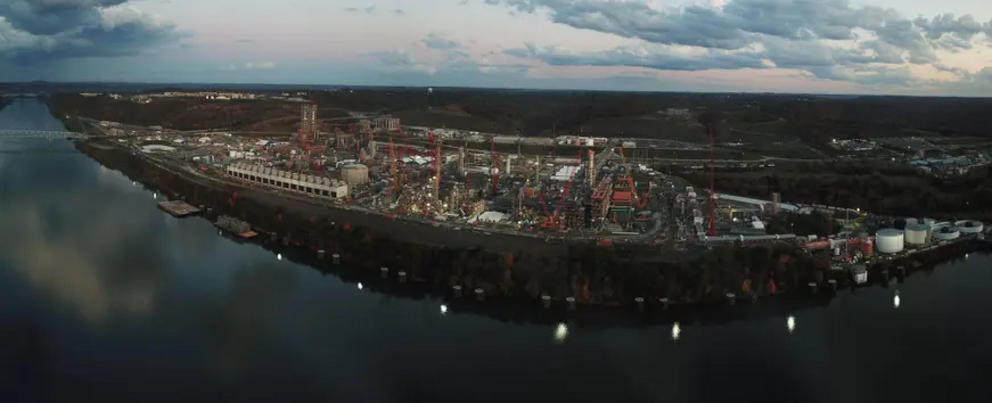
(533, 113)
(879, 188)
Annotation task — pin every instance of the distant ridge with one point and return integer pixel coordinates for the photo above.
(101, 86)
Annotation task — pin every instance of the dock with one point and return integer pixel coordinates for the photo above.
(178, 208)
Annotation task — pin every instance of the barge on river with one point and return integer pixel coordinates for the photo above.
(235, 226)
(178, 208)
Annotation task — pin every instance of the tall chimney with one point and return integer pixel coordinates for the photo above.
(775, 202)
(592, 169)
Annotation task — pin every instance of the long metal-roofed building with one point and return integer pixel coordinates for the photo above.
(306, 184)
(760, 204)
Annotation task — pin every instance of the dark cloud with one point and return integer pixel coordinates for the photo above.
(364, 10)
(48, 17)
(34, 31)
(798, 34)
(438, 41)
(641, 57)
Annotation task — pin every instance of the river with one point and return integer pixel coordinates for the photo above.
(105, 298)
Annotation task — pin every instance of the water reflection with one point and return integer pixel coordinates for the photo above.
(237, 327)
(561, 333)
(177, 305)
(101, 261)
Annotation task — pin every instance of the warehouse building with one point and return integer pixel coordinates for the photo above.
(317, 186)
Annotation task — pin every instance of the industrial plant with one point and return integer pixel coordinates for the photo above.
(580, 188)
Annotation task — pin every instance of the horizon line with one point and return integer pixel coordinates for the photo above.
(336, 86)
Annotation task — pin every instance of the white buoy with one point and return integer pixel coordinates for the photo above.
(896, 300)
(676, 331)
(279, 256)
(359, 286)
(444, 309)
(790, 323)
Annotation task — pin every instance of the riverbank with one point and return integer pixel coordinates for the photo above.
(503, 266)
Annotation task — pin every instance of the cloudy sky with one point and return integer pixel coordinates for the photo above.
(824, 46)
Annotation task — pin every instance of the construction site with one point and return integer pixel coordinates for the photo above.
(374, 165)
(447, 178)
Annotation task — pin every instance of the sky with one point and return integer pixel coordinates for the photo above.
(910, 47)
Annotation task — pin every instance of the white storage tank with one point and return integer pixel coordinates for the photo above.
(947, 233)
(917, 234)
(969, 226)
(355, 174)
(889, 240)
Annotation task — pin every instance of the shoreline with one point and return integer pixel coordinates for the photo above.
(507, 269)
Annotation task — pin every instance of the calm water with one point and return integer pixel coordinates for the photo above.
(105, 298)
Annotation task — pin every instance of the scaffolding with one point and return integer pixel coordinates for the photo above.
(601, 199)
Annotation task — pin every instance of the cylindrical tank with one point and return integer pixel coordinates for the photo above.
(969, 226)
(917, 234)
(947, 233)
(911, 221)
(890, 240)
(355, 174)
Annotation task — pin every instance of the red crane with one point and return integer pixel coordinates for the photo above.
(309, 128)
(553, 220)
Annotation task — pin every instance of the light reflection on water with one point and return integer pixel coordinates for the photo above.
(94, 281)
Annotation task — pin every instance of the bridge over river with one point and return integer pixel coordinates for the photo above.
(38, 134)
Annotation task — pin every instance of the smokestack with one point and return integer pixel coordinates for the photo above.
(592, 169)
(509, 159)
(775, 203)
(461, 160)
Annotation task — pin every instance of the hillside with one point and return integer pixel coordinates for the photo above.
(190, 114)
(750, 118)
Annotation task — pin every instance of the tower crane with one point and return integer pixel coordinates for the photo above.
(554, 221)
(639, 201)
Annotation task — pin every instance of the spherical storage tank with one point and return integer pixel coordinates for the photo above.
(917, 234)
(969, 227)
(889, 240)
